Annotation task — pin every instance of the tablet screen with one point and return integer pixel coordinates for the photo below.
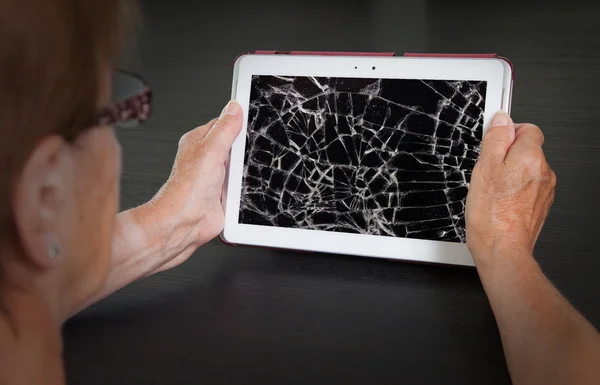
(388, 157)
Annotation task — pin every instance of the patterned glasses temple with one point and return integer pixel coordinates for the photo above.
(132, 98)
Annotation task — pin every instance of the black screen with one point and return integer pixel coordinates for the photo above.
(389, 157)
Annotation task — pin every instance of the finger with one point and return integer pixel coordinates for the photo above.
(198, 133)
(226, 129)
(203, 130)
(527, 145)
(531, 130)
(498, 139)
(517, 127)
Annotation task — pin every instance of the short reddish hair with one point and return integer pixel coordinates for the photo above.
(52, 56)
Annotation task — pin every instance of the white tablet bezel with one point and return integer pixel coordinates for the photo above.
(495, 72)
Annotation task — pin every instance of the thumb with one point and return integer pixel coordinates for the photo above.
(226, 129)
(498, 139)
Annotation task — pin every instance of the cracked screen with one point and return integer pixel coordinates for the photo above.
(388, 157)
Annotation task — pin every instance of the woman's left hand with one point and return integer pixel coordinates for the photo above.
(186, 213)
(190, 200)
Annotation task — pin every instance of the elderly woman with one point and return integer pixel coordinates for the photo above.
(63, 245)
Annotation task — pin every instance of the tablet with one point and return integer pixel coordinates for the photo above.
(359, 155)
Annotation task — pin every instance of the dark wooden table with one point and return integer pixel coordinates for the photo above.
(250, 316)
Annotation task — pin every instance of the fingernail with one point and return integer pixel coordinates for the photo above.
(231, 108)
(501, 119)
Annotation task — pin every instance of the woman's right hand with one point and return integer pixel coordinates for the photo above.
(511, 190)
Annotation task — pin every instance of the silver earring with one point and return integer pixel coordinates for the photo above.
(53, 250)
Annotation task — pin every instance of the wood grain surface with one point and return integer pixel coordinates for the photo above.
(251, 316)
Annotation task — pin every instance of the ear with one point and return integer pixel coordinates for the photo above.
(42, 192)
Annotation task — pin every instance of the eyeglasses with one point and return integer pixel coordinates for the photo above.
(131, 97)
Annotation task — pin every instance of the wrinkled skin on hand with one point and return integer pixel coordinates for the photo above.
(191, 197)
(511, 190)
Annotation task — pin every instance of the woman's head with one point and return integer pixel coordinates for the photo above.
(59, 170)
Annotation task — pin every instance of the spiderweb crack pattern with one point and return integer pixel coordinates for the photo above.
(389, 157)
